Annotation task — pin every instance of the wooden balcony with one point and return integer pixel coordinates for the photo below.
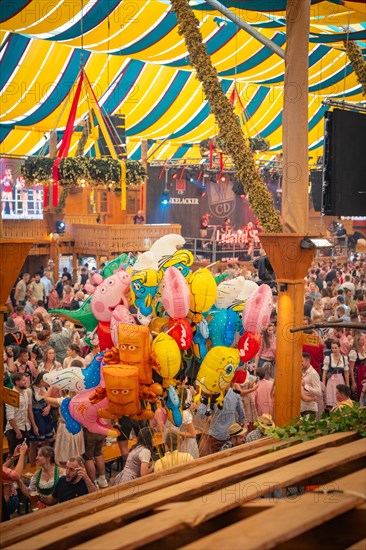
(110, 240)
(88, 238)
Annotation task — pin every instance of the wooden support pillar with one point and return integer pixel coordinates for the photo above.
(143, 187)
(295, 178)
(288, 259)
(290, 263)
(13, 254)
(54, 256)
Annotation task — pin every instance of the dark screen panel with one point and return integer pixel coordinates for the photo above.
(344, 183)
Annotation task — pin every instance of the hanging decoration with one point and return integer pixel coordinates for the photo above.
(228, 123)
(73, 171)
(106, 134)
(357, 61)
(65, 142)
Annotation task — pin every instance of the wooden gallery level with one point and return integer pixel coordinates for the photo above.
(215, 502)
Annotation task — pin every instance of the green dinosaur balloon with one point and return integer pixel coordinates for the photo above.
(221, 277)
(112, 266)
(82, 316)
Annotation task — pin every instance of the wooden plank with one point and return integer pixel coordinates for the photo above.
(204, 507)
(71, 510)
(198, 466)
(78, 508)
(207, 506)
(288, 519)
(30, 524)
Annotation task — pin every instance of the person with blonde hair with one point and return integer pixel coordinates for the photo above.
(264, 422)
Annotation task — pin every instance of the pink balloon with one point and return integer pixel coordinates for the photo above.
(257, 310)
(175, 293)
(86, 413)
(109, 294)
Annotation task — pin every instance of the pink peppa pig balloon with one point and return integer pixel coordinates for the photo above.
(257, 310)
(175, 293)
(109, 294)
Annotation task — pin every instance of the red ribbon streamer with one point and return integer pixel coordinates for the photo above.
(212, 146)
(232, 96)
(45, 196)
(65, 142)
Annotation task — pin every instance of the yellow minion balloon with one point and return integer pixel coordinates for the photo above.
(203, 289)
(216, 372)
(167, 358)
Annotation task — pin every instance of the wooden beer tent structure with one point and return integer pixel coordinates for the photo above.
(213, 501)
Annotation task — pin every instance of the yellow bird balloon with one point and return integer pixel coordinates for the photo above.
(203, 289)
(167, 358)
(216, 372)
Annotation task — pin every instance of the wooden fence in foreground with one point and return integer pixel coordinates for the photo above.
(215, 503)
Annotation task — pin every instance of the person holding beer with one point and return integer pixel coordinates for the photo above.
(45, 479)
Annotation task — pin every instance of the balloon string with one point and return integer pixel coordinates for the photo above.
(211, 265)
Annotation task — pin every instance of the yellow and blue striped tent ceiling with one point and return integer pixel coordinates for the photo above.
(139, 66)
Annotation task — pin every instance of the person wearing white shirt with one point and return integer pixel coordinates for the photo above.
(19, 419)
(310, 387)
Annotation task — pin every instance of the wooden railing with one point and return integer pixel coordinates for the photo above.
(89, 219)
(26, 229)
(91, 238)
(108, 240)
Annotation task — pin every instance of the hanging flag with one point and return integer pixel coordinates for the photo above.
(45, 196)
(123, 185)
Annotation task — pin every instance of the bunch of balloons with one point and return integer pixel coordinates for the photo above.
(155, 319)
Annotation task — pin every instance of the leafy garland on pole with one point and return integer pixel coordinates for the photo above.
(75, 171)
(230, 131)
(256, 144)
(357, 61)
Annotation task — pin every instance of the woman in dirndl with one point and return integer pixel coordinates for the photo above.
(335, 371)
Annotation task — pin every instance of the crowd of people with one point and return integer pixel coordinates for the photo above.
(66, 465)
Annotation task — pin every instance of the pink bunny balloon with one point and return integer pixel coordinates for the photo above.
(257, 310)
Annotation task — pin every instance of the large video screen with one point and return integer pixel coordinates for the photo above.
(18, 201)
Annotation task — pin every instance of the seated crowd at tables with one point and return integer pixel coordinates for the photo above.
(65, 466)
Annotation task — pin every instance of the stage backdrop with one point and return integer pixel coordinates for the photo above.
(187, 204)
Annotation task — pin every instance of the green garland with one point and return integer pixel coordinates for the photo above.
(74, 171)
(229, 126)
(357, 61)
(83, 138)
(256, 144)
(303, 429)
